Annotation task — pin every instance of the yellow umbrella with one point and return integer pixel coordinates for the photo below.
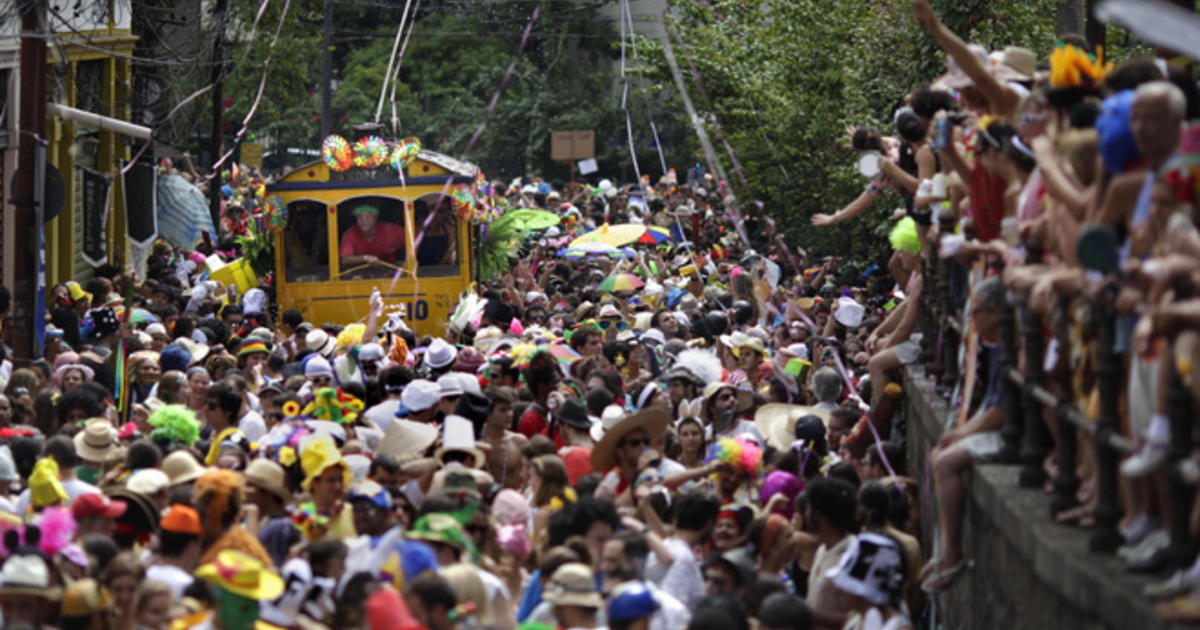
(615, 235)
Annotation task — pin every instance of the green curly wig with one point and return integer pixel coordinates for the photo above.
(175, 423)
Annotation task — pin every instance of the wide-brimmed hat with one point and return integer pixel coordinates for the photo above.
(320, 342)
(745, 399)
(181, 467)
(88, 373)
(27, 574)
(742, 340)
(653, 421)
(777, 421)
(96, 441)
(458, 434)
(573, 584)
(1018, 63)
(196, 351)
(242, 575)
(406, 438)
(319, 454)
(268, 476)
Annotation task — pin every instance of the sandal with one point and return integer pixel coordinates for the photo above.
(943, 577)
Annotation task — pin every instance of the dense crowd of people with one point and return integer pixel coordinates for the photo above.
(719, 445)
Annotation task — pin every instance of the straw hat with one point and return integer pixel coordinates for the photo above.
(242, 575)
(320, 342)
(573, 584)
(268, 476)
(198, 351)
(744, 399)
(27, 574)
(181, 467)
(777, 421)
(653, 421)
(96, 442)
(405, 437)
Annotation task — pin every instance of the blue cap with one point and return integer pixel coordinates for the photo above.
(371, 491)
(632, 600)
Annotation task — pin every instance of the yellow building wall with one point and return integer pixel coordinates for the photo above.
(62, 250)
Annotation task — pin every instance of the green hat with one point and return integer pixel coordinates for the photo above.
(371, 209)
(440, 527)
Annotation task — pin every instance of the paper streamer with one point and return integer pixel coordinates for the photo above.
(841, 368)
(262, 85)
(396, 75)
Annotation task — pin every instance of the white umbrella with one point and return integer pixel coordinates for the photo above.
(1157, 22)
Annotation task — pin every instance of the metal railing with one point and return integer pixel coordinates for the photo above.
(1027, 400)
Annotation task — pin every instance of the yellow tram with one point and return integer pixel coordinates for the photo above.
(319, 272)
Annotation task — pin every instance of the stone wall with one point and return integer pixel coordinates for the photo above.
(1026, 571)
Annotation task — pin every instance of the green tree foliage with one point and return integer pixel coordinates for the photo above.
(567, 77)
(784, 79)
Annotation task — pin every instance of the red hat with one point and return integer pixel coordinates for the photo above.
(386, 610)
(94, 505)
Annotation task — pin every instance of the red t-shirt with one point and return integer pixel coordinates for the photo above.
(533, 422)
(987, 203)
(389, 239)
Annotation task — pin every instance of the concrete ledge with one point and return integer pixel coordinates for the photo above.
(1027, 571)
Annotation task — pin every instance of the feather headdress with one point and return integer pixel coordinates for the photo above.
(704, 364)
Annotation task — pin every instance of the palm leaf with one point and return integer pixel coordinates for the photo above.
(499, 243)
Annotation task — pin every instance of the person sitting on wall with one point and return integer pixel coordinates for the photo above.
(370, 241)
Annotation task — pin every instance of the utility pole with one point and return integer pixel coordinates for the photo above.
(327, 68)
(1095, 31)
(218, 107)
(32, 132)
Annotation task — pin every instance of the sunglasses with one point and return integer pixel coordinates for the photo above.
(635, 443)
(727, 396)
(606, 324)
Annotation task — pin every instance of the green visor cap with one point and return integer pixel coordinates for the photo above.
(366, 209)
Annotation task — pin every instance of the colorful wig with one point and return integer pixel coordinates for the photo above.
(744, 456)
(174, 423)
(218, 497)
(904, 236)
(333, 405)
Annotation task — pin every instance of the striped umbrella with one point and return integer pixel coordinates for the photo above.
(654, 235)
(614, 235)
(621, 282)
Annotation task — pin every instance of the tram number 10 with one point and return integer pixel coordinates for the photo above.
(418, 310)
